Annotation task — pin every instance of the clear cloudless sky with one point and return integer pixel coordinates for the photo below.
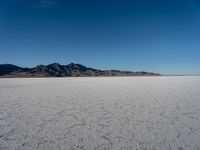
(151, 35)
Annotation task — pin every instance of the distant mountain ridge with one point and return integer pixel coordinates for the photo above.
(58, 70)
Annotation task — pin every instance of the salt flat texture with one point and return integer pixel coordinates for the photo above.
(102, 113)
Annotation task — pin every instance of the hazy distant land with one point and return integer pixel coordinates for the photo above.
(70, 70)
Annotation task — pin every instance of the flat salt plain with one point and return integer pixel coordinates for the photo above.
(100, 113)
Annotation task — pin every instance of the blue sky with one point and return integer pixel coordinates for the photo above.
(158, 35)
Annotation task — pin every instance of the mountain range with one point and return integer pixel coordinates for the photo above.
(58, 70)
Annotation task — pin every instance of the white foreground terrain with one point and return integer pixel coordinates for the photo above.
(100, 113)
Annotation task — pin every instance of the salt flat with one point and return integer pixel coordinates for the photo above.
(100, 113)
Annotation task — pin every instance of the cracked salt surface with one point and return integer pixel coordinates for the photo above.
(102, 113)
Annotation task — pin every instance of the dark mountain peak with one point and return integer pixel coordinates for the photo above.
(54, 69)
(9, 65)
(58, 70)
(73, 65)
(54, 64)
(40, 66)
(8, 68)
(77, 67)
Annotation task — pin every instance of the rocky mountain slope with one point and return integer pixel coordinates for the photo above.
(58, 70)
